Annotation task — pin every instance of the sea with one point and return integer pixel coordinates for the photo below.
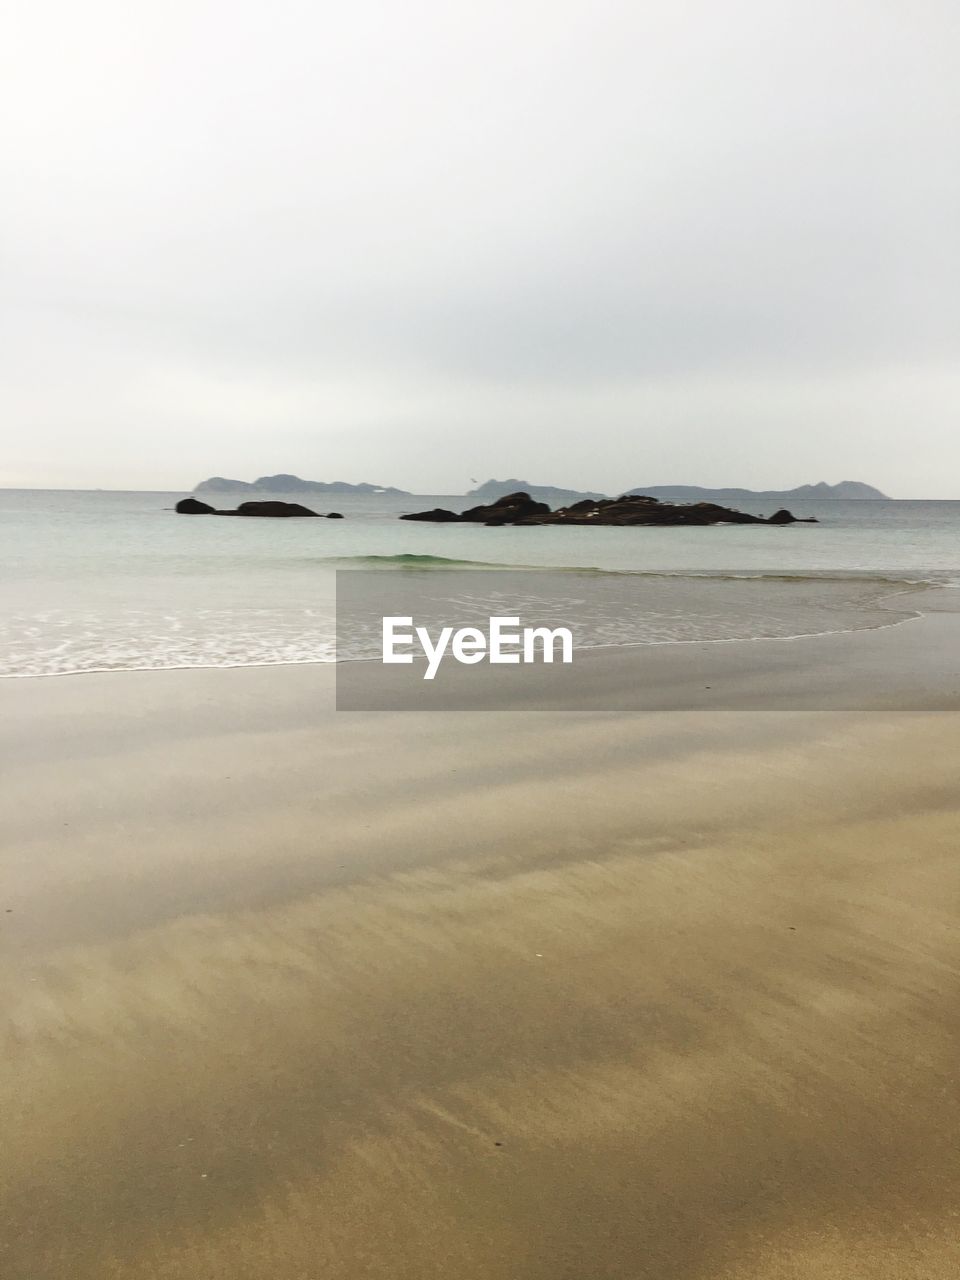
(113, 581)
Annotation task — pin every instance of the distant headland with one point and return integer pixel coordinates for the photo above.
(293, 484)
(492, 490)
(847, 489)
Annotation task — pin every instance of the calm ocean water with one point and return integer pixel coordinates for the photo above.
(106, 580)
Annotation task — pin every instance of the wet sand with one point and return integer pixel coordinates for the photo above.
(295, 994)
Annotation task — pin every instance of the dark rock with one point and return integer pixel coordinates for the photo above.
(783, 516)
(642, 510)
(509, 509)
(585, 504)
(194, 507)
(269, 509)
(438, 515)
(630, 509)
(334, 515)
(506, 510)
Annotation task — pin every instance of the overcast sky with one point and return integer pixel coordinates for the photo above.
(593, 244)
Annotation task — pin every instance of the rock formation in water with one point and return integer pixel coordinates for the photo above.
(631, 509)
(194, 507)
(509, 509)
(191, 507)
(436, 515)
(269, 509)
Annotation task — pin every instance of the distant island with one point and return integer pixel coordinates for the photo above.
(293, 484)
(493, 490)
(847, 489)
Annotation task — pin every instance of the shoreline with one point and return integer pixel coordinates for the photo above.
(919, 588)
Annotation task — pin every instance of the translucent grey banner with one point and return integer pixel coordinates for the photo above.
(429, 639)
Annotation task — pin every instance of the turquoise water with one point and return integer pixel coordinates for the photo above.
(107, 580)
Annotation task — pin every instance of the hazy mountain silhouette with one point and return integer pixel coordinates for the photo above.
(494, 489)
(291, 484)
(694, 493)
(491, 490)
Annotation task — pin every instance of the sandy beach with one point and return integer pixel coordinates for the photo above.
(294, 993)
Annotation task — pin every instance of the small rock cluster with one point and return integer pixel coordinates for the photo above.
(521, 509)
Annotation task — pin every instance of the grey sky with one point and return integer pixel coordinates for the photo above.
(596, 244)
